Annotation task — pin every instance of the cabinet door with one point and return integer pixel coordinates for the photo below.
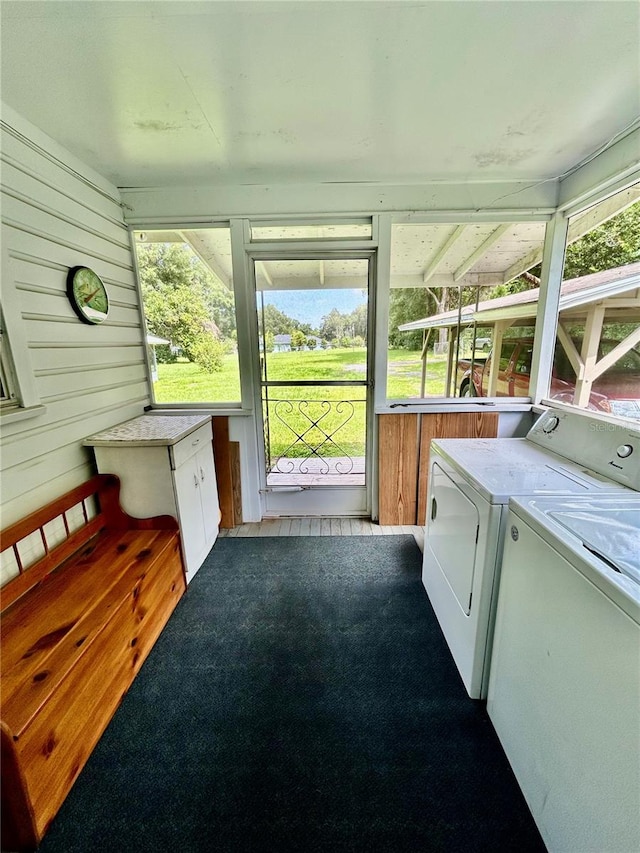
(188, 488)
(205, 471)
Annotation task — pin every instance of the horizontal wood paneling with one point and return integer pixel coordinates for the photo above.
(33, 271)
(29, 187)
(56, 215)
(78, 357)
(53, 167)
(65, 231)
(25, 240)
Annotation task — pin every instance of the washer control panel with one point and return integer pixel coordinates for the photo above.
(601, 445)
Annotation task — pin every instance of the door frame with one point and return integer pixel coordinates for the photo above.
(320, 250)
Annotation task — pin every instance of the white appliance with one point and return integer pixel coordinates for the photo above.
(470, 483)
(564, 688)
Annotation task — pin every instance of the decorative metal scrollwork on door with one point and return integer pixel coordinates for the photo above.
(313, 424)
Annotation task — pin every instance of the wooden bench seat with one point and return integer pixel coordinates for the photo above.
(74, 635)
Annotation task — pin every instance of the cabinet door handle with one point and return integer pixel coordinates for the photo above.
(434, 508)
(201, 475)
(195, 480)
(193, 443)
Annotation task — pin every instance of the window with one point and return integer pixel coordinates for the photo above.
(597, 364)
(189, 306)
(8, 397)
(330, 230)
(455, 289)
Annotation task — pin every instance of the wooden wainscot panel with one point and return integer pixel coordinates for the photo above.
(224, 474)
(449, 425)
(234, 449)
(398, 468)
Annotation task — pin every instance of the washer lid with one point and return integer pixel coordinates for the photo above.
(611, 533)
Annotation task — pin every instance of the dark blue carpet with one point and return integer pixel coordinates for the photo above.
(301, 698)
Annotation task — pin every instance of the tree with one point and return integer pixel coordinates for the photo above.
(178, 293)
(298, 339)
(276, 321)
(615, 243)
(358, 321)
(407, 304)
(333, 325)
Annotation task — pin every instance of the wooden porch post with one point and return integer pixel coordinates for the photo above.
(498, 333)
(589, 354)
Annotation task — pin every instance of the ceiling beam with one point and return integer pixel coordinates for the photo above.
(435, 262)
(467, 264)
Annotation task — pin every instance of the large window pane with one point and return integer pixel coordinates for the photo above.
(457, 293)
(597, 364)
(189, 306)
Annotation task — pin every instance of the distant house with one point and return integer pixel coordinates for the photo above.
(282, 343)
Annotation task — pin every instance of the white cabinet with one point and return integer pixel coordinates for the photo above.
(166, 467)
(197, 503)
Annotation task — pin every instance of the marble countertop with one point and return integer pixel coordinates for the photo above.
(148, 430)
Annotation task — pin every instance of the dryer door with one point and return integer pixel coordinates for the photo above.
(452, 534)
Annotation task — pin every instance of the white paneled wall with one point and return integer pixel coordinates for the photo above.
(57, 214)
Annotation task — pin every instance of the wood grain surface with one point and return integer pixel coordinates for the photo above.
(76, 630)
(398, 468)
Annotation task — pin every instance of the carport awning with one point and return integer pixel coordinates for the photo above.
(575, 294)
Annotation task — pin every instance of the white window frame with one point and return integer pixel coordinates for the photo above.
(549, 304)
(390, 405)
(23, 400)
(217, 407)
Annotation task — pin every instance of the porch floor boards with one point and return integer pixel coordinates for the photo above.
(322, 527)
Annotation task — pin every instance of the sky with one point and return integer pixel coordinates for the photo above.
(310, 306)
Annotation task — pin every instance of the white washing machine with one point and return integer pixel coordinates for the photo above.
(564, 688)
(470, 483)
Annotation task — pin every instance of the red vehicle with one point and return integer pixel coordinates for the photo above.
(617, 390)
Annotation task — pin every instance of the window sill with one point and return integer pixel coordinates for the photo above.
(399, 407)
(21, 414)
(205, 408)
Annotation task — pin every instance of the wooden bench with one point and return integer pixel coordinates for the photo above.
(92, 590)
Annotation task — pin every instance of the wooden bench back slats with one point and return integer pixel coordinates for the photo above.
(106, 488)
(21, 529)
(34, 574)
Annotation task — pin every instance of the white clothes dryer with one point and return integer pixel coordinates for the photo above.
(470, 483)
(564, 687)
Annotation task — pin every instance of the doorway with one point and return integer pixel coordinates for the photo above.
(314, 322)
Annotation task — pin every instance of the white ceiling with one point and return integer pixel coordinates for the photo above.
(176, 93)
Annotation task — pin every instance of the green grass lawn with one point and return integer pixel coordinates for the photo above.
(183, 382)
